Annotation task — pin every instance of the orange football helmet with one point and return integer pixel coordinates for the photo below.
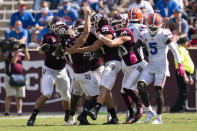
(134, 15)
(154, 23)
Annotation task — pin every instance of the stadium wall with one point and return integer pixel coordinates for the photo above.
(33, 71)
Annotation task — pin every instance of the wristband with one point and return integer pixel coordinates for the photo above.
(100, 36)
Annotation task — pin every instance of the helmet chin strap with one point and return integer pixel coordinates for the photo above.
(153, 33)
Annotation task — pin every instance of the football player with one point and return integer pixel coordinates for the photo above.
(81, 66)
(158, 41)
(53, 73)
(132, 62)
(112, 67)
(97, 68)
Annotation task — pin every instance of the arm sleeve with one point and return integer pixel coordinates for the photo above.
(175, 52)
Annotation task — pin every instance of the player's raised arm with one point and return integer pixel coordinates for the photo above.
(82, 39)
(113, 42)
(175, 52)
(92, 48)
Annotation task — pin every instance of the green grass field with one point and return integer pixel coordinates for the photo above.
(171, 122)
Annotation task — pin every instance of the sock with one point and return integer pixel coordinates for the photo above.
(67, 111)
(97, 107)
(35, 112)
(112, 113)
(159, 116)
(87, 106)
(135, 98)
(72, 113)
(92, 102)
(127, 101)
(149, 108)
(19, 112)
(74, 103)
(131, 112)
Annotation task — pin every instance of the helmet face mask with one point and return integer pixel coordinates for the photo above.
(79, 26)
(153, 30)
(99, 20)
(65, 31)
(117, 25)
(119, 21)
(154, 23)
(56, 23)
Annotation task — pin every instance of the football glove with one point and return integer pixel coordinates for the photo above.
(133, 57)
(45, 47)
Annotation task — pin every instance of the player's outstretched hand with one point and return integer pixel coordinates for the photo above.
(45, 47)
(71, 50)
(87, 10)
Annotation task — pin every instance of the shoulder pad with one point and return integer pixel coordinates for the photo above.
(143, 27)
(167, 33)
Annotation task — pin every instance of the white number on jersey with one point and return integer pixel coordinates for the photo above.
(122, 50)
(105, 29)
(57, 57)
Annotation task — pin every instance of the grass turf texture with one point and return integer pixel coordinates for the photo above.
(171, 122)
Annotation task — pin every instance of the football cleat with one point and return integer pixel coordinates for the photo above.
(66, 116)
(129, 121)
(31, 121)
(71, 121)
(112, 121)
(6, 114)
(83, 120)
(92, 113)
(150, 114)
(157, 121)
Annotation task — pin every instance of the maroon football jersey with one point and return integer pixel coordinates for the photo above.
(125, 49)
(109, 53)
(79, 63)
(95, 62)
(51, 60)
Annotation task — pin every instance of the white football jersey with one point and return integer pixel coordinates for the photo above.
(158, 49)
(137, 29)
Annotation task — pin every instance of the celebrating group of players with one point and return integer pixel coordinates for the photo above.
(97, 49)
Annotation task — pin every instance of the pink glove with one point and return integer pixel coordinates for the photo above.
(133, 57)
(181, 70)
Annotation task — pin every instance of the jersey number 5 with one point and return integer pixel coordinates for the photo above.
(153, 48)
